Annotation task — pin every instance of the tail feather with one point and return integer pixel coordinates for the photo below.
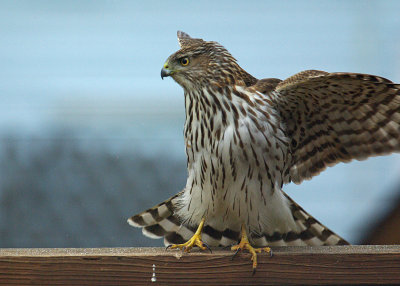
(155, 214)
(161, 222)
(313, 232)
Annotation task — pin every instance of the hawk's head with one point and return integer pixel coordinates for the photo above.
(200, 63)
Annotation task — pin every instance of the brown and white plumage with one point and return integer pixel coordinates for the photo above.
(344, 116)
(246, 137)
(161, 222)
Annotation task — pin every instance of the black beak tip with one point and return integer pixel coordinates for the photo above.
(165, 73)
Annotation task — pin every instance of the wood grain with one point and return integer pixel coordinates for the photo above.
(134, 266)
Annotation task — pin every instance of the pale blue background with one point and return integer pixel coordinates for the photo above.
(80, 92)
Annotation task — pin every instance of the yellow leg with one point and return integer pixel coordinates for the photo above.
(195, 240)
(245, 244)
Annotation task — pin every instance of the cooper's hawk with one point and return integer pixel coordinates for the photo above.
(246, 137)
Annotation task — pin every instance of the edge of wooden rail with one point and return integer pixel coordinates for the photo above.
(363, 264)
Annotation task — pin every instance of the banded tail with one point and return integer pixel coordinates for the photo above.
(161, 222)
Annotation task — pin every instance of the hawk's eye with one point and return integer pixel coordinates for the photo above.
(184, 61)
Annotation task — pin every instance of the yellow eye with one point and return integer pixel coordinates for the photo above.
(184, 61)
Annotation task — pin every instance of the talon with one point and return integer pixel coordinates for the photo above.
(245, 244)
(206, 245)
(236, 252)
(195, 240)
(268, 250)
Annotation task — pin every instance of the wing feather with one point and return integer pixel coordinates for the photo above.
(337, 117)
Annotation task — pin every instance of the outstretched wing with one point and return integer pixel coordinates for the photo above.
(337, 117)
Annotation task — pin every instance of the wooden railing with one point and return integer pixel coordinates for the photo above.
(157, 266)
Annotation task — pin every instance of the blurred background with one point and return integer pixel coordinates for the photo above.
(90, 134)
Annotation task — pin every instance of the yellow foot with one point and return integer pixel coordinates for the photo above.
(245, 244)
(195, 240)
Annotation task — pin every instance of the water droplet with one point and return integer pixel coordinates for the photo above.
(154, 278)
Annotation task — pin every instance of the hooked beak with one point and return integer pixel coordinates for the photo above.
(165, 72)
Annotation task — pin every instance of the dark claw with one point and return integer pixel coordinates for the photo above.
(168, 246)
(236, 252)
(206, 245)
(254, 271)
